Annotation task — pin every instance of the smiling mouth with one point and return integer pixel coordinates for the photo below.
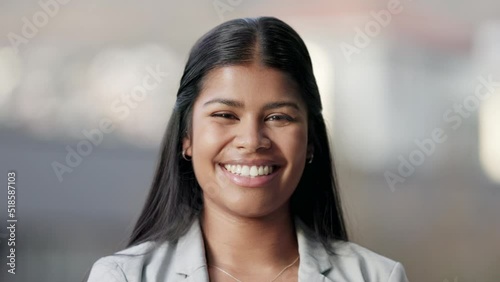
(250, 170)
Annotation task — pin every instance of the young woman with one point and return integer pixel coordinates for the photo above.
(245, 188)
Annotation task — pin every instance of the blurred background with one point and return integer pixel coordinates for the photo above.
(411, 94)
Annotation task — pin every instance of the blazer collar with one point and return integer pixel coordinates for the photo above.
(314, 260)
(189, 258)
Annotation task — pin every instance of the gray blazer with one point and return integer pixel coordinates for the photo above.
(184, 260)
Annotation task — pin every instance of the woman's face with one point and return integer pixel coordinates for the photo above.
(248, 141)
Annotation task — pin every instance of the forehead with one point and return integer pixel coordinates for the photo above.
(250, 84)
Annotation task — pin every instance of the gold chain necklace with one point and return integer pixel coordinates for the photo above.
(236, 279)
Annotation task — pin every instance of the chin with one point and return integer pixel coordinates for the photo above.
(253, 210)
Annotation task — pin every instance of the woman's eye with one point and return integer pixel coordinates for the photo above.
(281, 118)
(224, 115)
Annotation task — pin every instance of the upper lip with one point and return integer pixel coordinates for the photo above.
(256, 162)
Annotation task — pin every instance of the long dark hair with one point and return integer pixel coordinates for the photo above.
(175, 198)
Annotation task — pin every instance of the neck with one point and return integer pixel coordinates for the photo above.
(242, 244)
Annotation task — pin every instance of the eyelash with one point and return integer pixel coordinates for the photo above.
(223, 115)
(283, 117)
(231, 116)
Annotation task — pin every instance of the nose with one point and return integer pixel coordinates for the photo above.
(251, 136)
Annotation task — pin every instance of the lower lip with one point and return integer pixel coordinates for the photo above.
(251, 182)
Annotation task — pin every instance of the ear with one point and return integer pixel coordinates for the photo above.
(186, 145)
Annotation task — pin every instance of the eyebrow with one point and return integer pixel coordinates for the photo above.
(238, 104)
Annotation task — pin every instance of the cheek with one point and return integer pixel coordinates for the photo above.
(294, 149)
(209, 141)
(206, 146)
(208, 138)
(293, 142)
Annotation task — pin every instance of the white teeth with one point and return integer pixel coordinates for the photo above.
(254, 171)
(245, 170)
(261, 170)
(249, 171)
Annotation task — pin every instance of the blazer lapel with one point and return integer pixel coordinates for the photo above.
(189, 259)
(314, 260)
(199, 275)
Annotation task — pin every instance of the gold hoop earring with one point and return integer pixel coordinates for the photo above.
(184, 156)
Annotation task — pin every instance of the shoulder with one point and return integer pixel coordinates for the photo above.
(131, 264)
(350, 258)
(344, 261)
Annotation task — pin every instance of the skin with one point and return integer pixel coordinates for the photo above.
(248, 231)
